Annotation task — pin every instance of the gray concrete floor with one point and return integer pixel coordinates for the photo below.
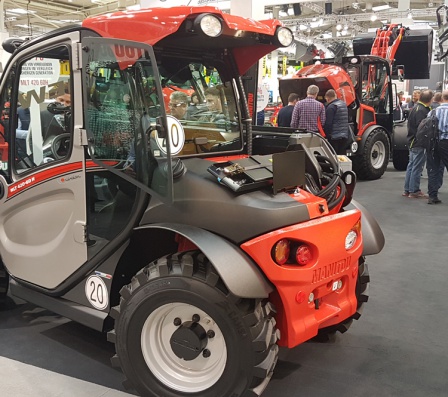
(397, 348)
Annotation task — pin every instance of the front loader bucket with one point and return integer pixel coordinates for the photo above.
(414, 51)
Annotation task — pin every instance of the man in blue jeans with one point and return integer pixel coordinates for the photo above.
(435, 171)
(417, 152)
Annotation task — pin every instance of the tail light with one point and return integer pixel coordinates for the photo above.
(303, 255)
(292, 252)
(281, 251)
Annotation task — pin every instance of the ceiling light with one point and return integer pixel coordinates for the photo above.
(19, 11)
(373, 18)
(381, 8)
(410, 15)
(338, 26)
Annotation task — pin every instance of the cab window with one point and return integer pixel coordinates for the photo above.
(205, 105)
(41, 127)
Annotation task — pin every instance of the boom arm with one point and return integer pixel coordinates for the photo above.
(381, 45)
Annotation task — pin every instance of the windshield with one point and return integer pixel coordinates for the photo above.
(206, 107)
(375, 86)
(124, 113)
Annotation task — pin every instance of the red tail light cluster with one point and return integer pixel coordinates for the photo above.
(291, 253)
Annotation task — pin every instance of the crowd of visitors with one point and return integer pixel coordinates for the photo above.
(423, 149)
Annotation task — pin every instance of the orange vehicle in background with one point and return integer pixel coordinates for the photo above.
(364, 82)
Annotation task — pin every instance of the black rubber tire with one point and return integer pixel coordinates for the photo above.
(247, 327)
(362, 296)
(400, 159)
(366, 163)
(4, 284)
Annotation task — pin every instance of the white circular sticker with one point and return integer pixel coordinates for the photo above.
(176, 135)
(96, 292)
(262, 97)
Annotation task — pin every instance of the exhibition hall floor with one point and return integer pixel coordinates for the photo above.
(398, 347)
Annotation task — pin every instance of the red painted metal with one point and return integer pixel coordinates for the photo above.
(154, 24)
(297, 318)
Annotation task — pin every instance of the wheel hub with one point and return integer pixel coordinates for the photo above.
(189, 340)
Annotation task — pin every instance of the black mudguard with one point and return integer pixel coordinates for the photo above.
(372, 235)
(241, 276)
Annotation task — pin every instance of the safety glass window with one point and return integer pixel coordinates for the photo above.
(206, 107)
(41, 129)
(124, 116)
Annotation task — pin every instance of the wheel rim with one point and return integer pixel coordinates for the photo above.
(378, 154)
(188, 376)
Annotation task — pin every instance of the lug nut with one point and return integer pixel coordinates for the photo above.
(196, 318)
(206, 353)
(211, 333)
(177, 321)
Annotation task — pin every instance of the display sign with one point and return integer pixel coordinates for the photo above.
(262, 97)
(39, 72)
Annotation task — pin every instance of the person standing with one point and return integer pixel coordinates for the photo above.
(285, 114)
(415, 98)
(435, 169)
(336, 122)
(436, 100)
(308, 112)
(417, 152)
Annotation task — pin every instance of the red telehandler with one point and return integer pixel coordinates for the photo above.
(198, 254)
(364, 82)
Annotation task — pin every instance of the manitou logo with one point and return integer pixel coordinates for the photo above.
(127, 53)
(330, 270)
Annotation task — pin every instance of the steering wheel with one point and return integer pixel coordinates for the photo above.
(60, 146)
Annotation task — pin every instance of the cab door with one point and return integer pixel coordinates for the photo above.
(42, 181)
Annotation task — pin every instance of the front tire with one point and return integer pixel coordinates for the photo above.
(371, 162)
(180, 332)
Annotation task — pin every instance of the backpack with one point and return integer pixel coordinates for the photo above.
(427, 135)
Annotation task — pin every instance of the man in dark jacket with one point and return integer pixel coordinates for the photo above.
(285, 114)
(417, 151)
(336, 122)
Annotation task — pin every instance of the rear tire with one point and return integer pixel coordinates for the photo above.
(371, 162)
(400, 159)
(362, 296)
(180, 332)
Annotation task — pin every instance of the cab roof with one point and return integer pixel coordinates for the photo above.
(247, 39)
